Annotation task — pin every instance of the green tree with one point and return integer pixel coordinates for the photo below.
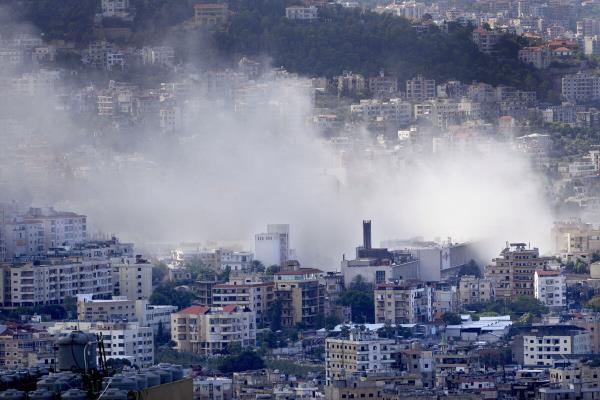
(272, 270)
(451, 318)
(274, 315)
(245, 361)
(159, 272)
(361, 303)
(168, 294)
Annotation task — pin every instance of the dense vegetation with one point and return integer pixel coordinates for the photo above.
(350, 40)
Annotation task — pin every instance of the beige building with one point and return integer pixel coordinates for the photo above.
(544, 344)
(361, 352)
(132, 277)
(257, 296)
(17, 342)
(475, 290)
(513, 271)
(52, 280)
(403, 303)
(211, 330)
(570, 237)
(301, 295)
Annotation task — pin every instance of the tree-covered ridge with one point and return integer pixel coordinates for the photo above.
(364, 42)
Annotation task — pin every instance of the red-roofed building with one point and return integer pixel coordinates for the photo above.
(257, 296)
(212, 330)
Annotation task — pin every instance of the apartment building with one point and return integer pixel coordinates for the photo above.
(333, 284)
(114, 8)
(236, 260)
(591, 45)
(17, 342)
(513, 271)
(211, 330)
(361, 352)
(393, 111)
(403, 303)
(273, 246)
(574, 236)
(301, 13)
(581, 86)
(485, 40)
(300, 294)
(550, 288)
(212, 388)
(132, 277)
(538, 56)
(122, 340)
(591, 323)
(542, 344)
(211, 14)
(472, 289)
(52, 280)
(420, 89)
(36, 231)
(257, 296)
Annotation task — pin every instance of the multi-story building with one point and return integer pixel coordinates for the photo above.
(588, 27)
(513, 271)
(53, 280)
(350, 83)
(120, 308)
(537, 147)
(542, 344)
(257, 296)
(550, 288)
(485, 40)
(574, 236)
(212, 388)
(211, 14)
(581, 86)
(362, 352)
(420, 89)
(383, 86)
(273, 247)
(131, 277)
(393, 111)
(115, 8)
(591, 323)
(236, 260)
(122, 340)
(591, 45)
(18, 341)
(538, 56)
(445, 299)
(212, 330)
(333, 284)
(472, 289)
(302, 13)
(300, 295)
(403, 303)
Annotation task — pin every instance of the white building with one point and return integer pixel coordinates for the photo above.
(545, 343)
(550, 288)
(301, 13)
(122, 340)
(115, 8)
(361, 352)
(273, 247)
(236, 260)
(52, 281)
(212, 388)
(581, 86)
(132, 277)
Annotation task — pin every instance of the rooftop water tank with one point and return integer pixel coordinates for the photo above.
(76, 351)
(12, 394)
(114, 394)
(40, 394)
(74, 394)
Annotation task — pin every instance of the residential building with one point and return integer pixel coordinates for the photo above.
(132, 277)
(403, 303)
(53, 280)
(383, 86)
(158, 55)
(211, 330)
(212, 388)
(362, 352)
(236, 260)
(257, 296)
(301, 13)
(550, 288)
(420, 89)
(538, 56)
(485, 40)
(513, 271)
(540, 345)
(537, 147)
(273, 247)
(591, 323)
(574, 236)
(333, 284)
(350, 83)
(115, 8)
(581, 86)
(122, 340)
(588, 27)
(374, 110)
(18, 341)
(472, 289)
(211, 14)
(353, 387)
(300, 294)
(591, 45)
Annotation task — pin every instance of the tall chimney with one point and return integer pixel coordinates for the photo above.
(367, 233)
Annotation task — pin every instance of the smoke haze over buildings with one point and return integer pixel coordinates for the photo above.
(232, 171)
